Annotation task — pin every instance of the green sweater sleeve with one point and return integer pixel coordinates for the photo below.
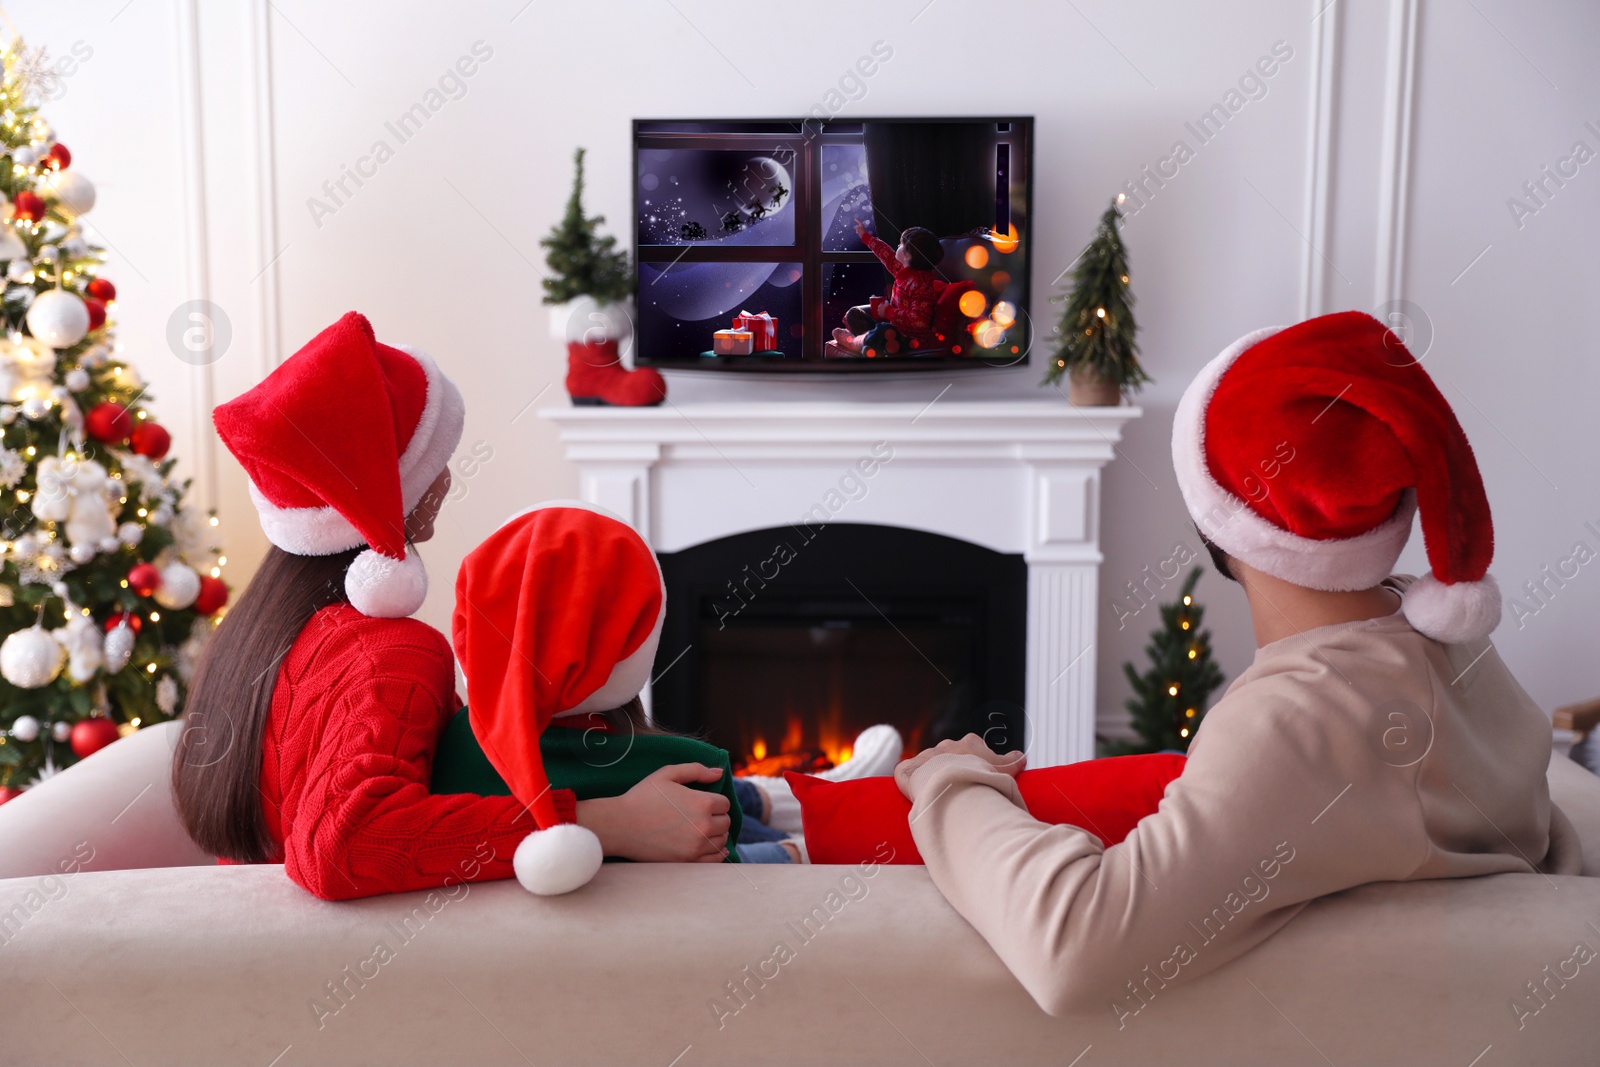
(591, 763)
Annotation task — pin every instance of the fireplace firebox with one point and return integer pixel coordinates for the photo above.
(782, 644)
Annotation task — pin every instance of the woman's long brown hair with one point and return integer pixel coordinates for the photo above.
(216, 768)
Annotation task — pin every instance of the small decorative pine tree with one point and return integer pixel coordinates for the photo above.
(109, 586)
(1169, 700)
(582, 262)
(1097, 330)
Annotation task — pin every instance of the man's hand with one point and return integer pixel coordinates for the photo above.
(662, 820)
(1011, 763)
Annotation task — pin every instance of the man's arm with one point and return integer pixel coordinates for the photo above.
(1242, 840)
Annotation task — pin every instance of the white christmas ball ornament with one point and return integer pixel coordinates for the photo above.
(18, 269)
(58, 318)
(31, 658)
(118, 647)
(179, 587)
(25, 156)
(130, 533)
(61, 732)
(81, 553)
(25, 728)
(36, 407)
(74, 193)
(77, 379)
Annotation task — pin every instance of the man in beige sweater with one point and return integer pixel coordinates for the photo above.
(1376, 737)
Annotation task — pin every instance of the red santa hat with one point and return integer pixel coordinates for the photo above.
(559, 611)
(1306, 451)
(340, 443)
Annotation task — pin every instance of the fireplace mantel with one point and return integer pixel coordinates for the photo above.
(1014, 476)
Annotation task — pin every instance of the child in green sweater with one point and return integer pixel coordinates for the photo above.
(558, 615)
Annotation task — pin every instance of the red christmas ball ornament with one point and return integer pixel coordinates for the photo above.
(97, 312)
(108, 422)
(213, 595)
(150, 439)
(30, 205)
(9, 792)
(91, 735)
(58, 158)
(144, 578)
(134, 622)
(101, 289)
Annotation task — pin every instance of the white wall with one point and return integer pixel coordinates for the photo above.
(1375, 169)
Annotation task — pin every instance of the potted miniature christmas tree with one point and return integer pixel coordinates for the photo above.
(589, 280)
(1169, 696)
(1095, 348)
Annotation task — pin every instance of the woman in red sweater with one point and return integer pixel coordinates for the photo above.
(312, 719)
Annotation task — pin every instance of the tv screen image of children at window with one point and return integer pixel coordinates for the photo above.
(892, 244)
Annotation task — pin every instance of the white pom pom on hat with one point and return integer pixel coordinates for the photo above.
(1452, 614)
(1305, 452)
(385, 588)
(558, 860)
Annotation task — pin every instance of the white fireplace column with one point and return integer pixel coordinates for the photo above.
(1063, 557)
(1018, 477)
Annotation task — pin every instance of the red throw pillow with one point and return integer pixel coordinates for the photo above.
(867, 819)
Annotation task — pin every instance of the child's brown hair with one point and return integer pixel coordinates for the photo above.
(925, 249)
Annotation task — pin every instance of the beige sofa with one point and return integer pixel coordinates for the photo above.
(666, 965)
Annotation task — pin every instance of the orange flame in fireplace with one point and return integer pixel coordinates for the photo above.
(830, 743)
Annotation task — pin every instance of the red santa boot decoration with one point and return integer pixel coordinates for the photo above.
(1306, 452)
(558, 613)
(595, 375)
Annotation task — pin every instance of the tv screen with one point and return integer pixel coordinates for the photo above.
(863, 246)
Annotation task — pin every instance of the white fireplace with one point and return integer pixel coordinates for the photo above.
(1020, 477)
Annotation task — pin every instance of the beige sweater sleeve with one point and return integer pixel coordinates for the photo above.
(1275, 807)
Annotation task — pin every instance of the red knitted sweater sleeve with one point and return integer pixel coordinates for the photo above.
(885, 253)
(362, 821)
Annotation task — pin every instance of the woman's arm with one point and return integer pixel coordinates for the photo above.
(663, 820)
(365, 822)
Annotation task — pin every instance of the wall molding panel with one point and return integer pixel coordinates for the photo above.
(1394, 169)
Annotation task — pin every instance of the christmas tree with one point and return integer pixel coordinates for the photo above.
(102, 610)
(1096, 331)
(1169, 698)
(582, 262)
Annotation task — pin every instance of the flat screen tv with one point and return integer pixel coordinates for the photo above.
(749, 258)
